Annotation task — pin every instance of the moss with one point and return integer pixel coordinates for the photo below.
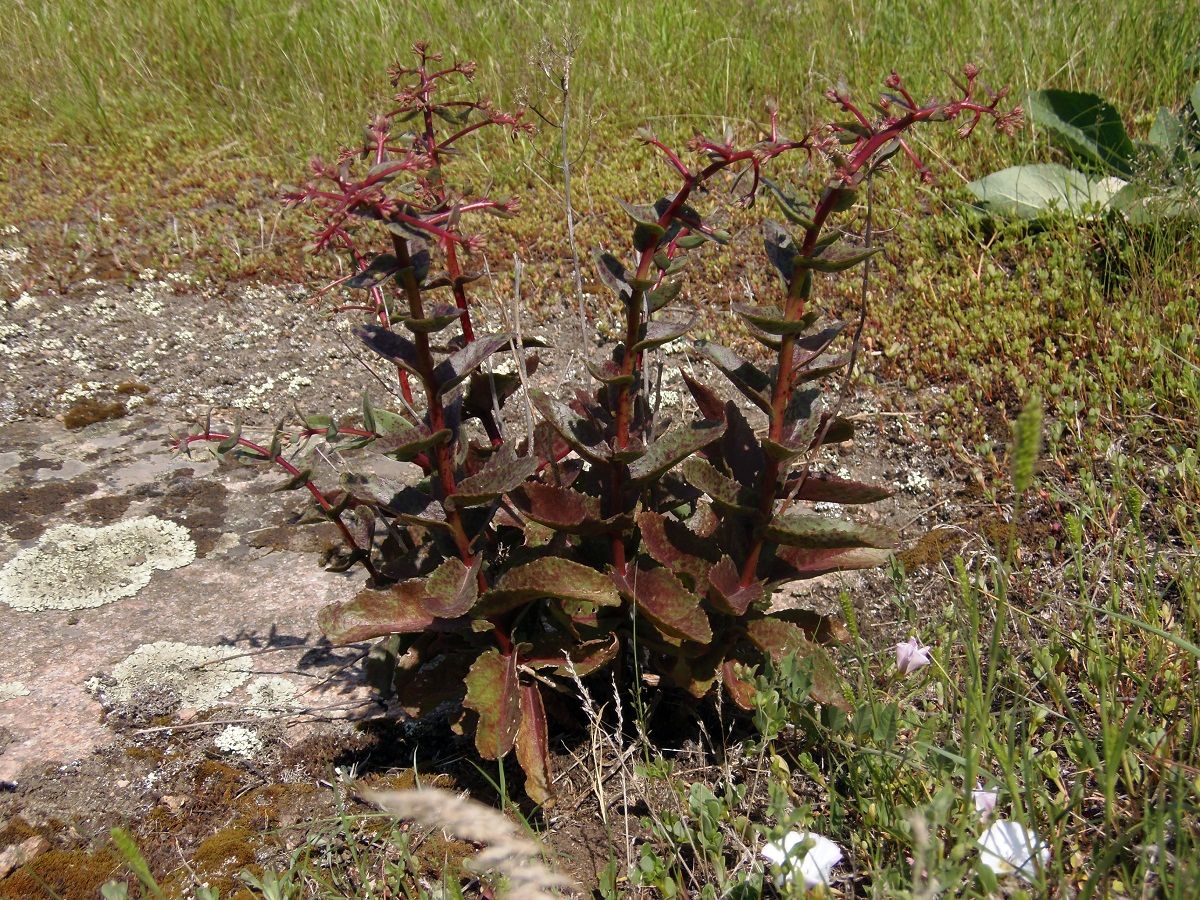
(89, 411)
(217, 782)
(265, 807)
(933, 547)
(220, 857)
(68, 874)
(16, 830)
(132, 387)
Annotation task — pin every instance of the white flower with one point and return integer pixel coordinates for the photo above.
(1008, 847)
(804, 853)
(911, 656)
(985, 801)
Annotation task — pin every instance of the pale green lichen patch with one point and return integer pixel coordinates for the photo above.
(272, 695)
(11, 690)
(77, 567)
(200, 676)
(238, 740)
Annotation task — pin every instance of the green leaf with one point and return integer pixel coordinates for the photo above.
(134, 859)
(382, 268)
(824, 488)
(754, 383)
(811, 531)
(493, 692)
(436, 318)
(781, 249)
(796, 211)
(658, 332)
(550, 576)
(662, 599)
(772, 320)
(1167, 132)
(1086, 126)
(579, 434)
(726, 494)
(503, 472)
(665, 293)
(836, 257)
(675, 446)
(404, 443)
(1029, 192)
(451, 589)
(779, 638)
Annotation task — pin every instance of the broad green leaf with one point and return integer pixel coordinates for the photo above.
(1167, 132)
(675, 446)
(1029, 192)
(493, 692)
(1086, 126)
(806, 530)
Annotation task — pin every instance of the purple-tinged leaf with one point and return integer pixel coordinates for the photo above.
(771, 319)
(824, 488)
(797, 529)
(390, 345)
(451, 589)
(779, 638)
(609, 372)
(580, 435)
(675, 446)
(738, 683)
(585, 657)
(672, 545)
(549, 576)
(493, 693)
(796, 211)
(533, 746)
(485, 390)
(742, 453)
(661, 598)
(659, 332)
(754, 383)
(436, 318)
(372, 613)
(710, 405)
(811, 345)
(728, 594)
(781, 249)
(503, 472)
(819, 367)
(563, 509)
(793, 563)
(451, 372)
(382, 267)
(430, 684)
(725, 493)
(612, 273)
(405, 442)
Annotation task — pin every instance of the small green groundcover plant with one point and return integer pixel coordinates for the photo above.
(605, 533)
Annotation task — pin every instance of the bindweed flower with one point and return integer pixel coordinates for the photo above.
(985, 801)
(806, 854)
(911, 656)
(1007, 847)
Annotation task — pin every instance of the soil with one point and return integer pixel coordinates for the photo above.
(95, 382)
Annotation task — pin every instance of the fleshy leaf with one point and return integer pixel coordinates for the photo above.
(451, 372)
(533, 746)
(503, 472)
(824, 488)
(781, 249)
(576, 432)
(674, 610)
(728, 593)
(665, 293)
(585, 657)
(797, 562)
(390, 345)
(563, 509)
(672, 545)
(726, 494)
(374, 613)
(612, 272)
(451, 589)
(436, 318)
(754, 383)
(837, 257)
(711, 406)
(796, 211)
(675, 446)
(779, 638)
(493, 692)
(805, 530)
(772, 320)
(550, 576)
(659, 332)
(382, 268)
(741, 690)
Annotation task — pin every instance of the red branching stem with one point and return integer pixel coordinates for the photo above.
(210, 436)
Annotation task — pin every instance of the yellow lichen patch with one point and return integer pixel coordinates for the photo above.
(68, 874)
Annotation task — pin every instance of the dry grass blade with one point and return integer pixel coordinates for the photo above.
(508, 851)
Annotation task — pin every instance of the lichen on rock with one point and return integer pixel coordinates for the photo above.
(239, 741)
(201, 676)
(272, 695)
(77, 567)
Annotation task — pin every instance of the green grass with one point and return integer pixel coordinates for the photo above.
(156, 134)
